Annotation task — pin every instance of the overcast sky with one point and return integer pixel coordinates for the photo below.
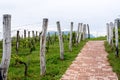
(96, 13)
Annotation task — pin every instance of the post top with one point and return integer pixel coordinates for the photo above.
(71, 22)
(107, 23)
(45, 19)
(58, 22)
(111, 23)
(84, 24)
(6, 15)
(117, 20)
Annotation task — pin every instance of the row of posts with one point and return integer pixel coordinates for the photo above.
(25, 34)
(112, 34)
(82, 28)
(81, 34)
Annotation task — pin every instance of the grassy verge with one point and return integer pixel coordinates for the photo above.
(98, 38)
(55, 67)
(114, 61)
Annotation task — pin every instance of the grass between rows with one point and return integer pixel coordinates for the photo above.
(55, 67)
(113, 60)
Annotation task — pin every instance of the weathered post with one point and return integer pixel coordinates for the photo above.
(42, 47)
(17, 42)
(107, 32)
(48, 39)
(6, 46)
(111, 35)
(116, 37)
(77, 36)
(109, 28)
(33, 34)
(55, 36)
(36, 33)
(70, 40)
(60, 41)
(63, 36)
(84, 31)
(88, 31)
(28, 34)
(24, 34)
(80, 34)
(40, 35)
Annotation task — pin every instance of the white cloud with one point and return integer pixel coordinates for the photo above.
(94, 12)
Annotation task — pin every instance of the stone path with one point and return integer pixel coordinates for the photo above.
(91, 64)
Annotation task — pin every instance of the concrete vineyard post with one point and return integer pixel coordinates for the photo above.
(111, 35)
(107, 32)
(60, 41)
(33, 34)
(40, 35)
(42, 47)
(24, 34)
(55, 36)
(80, 33)
(63, 36)
(6, 46)
(36, 33)
(48, 39)
(88, 31)
(77, 36)
(116, 36)
(84, 31)
(70, 40)
(17, 42)
(28, 34)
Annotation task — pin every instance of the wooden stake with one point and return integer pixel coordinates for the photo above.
(107, 32)
(42, 47)
(40, 35)
(116, 37)
(17, 42)
(28, 34)
(24, 34)
(111, 35)
(77, 36)
(84, 31)
(36, 33)
(6, 45)
(80, 33)
(60, 41)
(33, 34)
(109, 28)
(55, 36)
(70, 40)
(88, 31)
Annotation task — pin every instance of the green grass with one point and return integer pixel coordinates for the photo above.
(55, 67)
(98, 38)
(114, 61)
